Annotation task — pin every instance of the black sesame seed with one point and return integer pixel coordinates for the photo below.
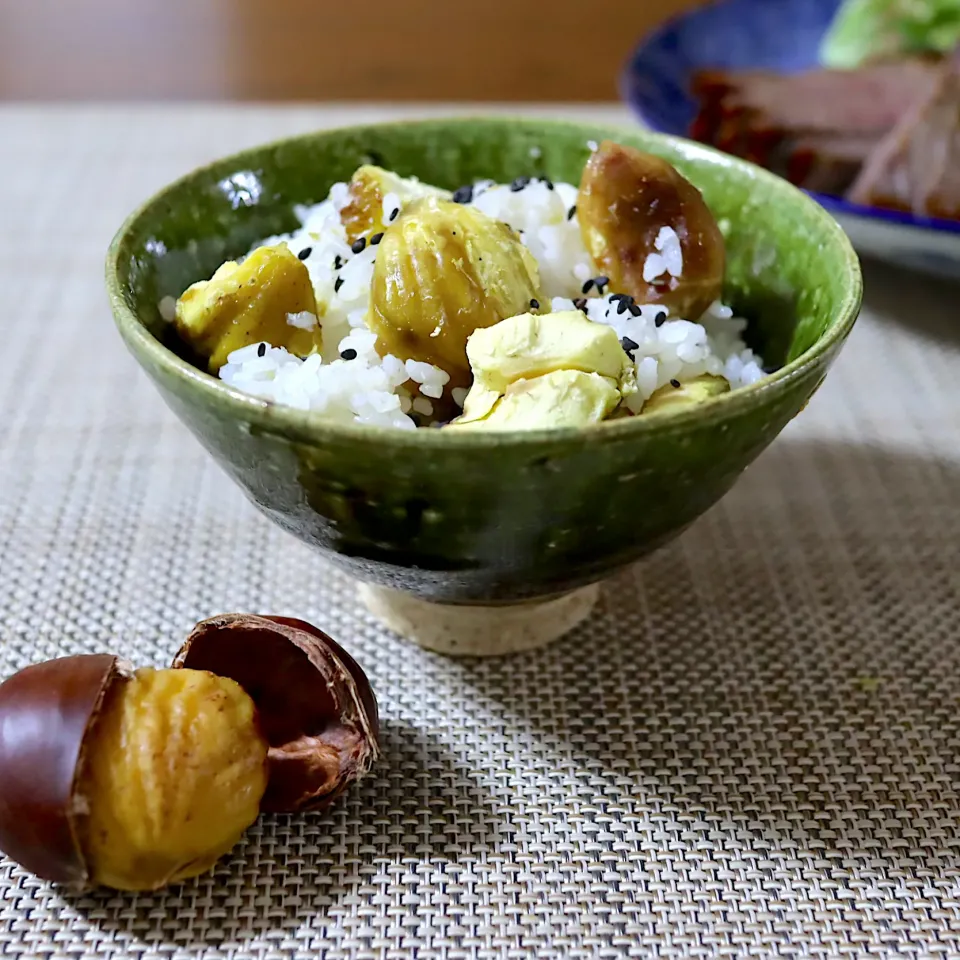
(348, 354)
(305, 252)
(337, 262)
(393, 216)
(519, 184)
(675, 384)
(622, 307)
(358, 245)
(587, 286)
(547, 183)
(581, 304)
(601, 282)
(635, 310)
(660, 319)
(629, 346)
(376, 238)
(463, 194)
(572, 212)
(534, 304)
(337, 284)
(261, 350)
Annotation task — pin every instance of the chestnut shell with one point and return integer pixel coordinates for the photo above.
(315, 704)
(46, 711)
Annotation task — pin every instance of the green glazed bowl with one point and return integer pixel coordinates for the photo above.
(471, 517)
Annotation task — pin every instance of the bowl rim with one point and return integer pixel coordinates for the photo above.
(841, 206)
(272, 417)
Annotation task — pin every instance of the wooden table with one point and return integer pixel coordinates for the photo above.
(531, 50)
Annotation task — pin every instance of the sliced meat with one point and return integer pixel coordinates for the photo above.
(825, 164)
(916, 168)
(816, 129)
(848, 102)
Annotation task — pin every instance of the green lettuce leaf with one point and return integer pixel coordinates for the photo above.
(868, 29)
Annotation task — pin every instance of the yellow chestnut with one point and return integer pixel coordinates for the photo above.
(266, 297)
(176, 768)
(443, 270)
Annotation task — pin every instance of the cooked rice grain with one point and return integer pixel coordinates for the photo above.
(384, 391)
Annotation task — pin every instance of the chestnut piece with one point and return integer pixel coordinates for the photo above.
(138, 779)
(626, 198)
(315, 705)
(125, 779)
(46, 711)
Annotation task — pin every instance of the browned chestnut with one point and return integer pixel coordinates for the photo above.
(315, 704)
(626, 198)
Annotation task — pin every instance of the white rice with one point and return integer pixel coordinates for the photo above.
(351, 382)
(667, 260)
(168, 308)
(305, 320)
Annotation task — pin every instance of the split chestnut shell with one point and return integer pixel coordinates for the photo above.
(315, 704)
(46, 712)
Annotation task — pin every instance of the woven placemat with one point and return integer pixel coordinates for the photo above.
(752, 749)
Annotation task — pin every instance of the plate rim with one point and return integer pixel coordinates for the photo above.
(836, 205)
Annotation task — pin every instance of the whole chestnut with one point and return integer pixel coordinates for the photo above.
(443, 270)
(128, 779)
(134, 779)
(630, 203)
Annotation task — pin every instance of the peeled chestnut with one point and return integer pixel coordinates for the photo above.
(627, 199)
(443, 270)
(173, 773)
(364, 215)
(134, 779)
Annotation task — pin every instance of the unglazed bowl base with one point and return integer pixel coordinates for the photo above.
(469, 631)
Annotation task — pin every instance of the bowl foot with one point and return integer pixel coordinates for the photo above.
(467, 631)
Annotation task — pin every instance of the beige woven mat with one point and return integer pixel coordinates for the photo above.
(752, 750)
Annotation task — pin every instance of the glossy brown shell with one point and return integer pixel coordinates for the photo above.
(315, 704)
(46, 712)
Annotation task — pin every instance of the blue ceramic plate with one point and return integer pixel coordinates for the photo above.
(781, 35)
